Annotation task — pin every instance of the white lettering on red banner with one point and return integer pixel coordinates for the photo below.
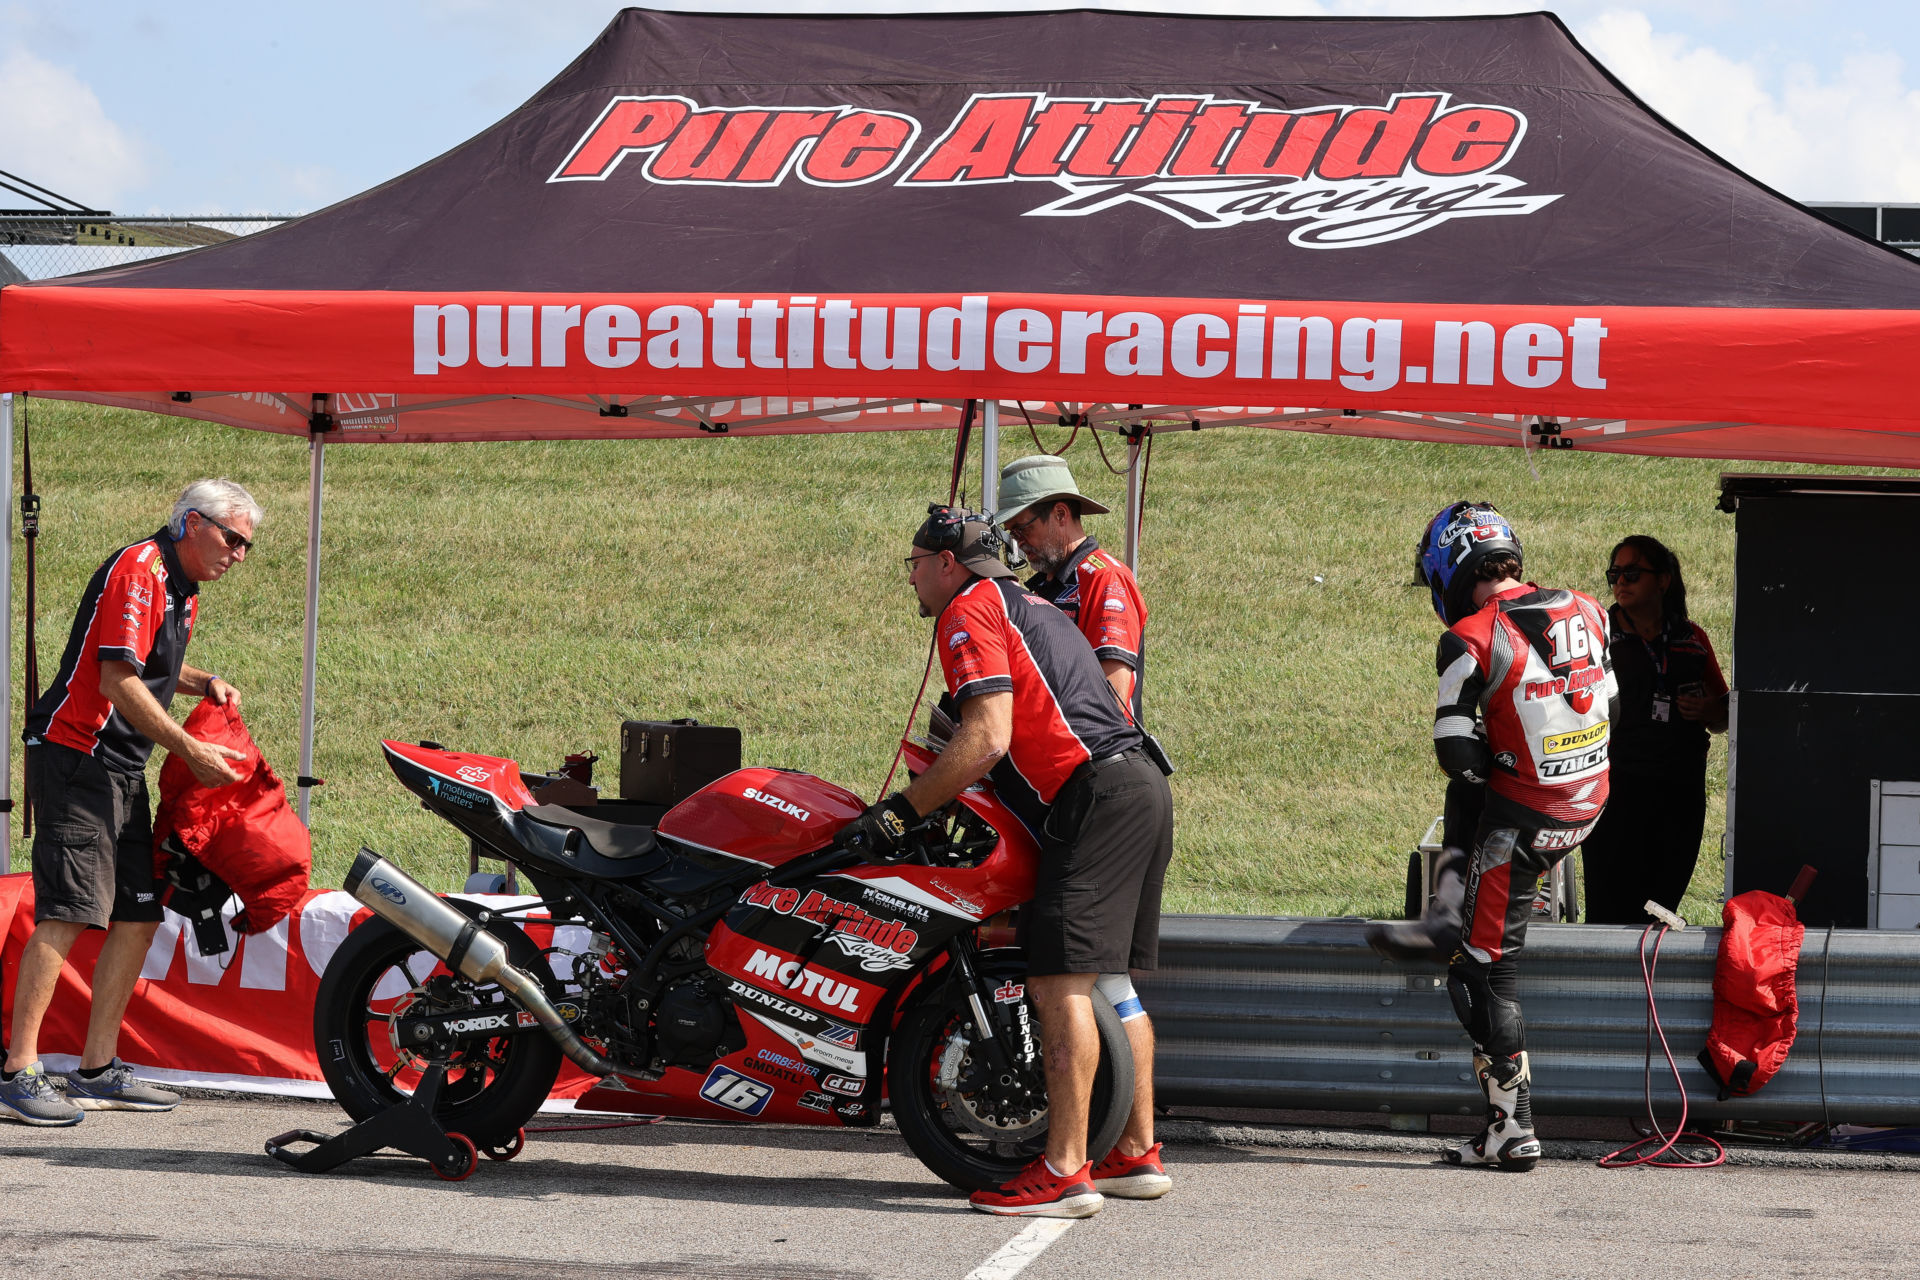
(1357, 354)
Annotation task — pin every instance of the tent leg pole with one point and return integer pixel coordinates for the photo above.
(6, 636)
(990, 454)
(317, 449)
(1134, 503)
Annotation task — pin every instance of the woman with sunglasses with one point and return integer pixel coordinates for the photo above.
(1672, 696)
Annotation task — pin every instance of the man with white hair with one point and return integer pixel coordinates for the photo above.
(88, 739)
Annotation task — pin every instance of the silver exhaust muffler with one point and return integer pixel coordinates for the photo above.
(466, 947)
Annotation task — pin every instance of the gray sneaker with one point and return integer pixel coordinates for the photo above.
(32, 1098)
(115, 1089)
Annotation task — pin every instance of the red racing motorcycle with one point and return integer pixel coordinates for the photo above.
(737, 966)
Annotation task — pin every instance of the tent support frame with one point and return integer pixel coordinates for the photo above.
(990, 456)
(309, 658)
(6, 635)
(1136, 496)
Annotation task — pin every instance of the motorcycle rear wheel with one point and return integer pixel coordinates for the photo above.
(492, 1088)
(945, 1144)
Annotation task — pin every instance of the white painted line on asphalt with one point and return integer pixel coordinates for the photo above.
(1013, 1257)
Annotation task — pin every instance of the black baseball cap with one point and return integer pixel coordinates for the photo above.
(971, 537)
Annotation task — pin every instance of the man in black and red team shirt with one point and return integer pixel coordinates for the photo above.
(1526, 701)
(1036, 713)
(88, 738)
(1040, 506)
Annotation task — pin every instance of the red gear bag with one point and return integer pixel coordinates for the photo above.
(244, 832)
(1755, 1008)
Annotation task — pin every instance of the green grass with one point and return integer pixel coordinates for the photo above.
(523, 599)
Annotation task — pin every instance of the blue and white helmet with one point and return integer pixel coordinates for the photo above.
(1456, 542)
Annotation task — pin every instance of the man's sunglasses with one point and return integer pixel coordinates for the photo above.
(1628, 575)
(230, 536)
(1019, 530)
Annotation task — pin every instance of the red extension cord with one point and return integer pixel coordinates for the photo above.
(1618, 1159)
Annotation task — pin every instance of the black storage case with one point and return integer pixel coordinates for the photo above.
(665, 761)
(1827, 691)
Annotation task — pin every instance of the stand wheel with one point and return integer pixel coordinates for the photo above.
(464, 1161)
(508, 1150)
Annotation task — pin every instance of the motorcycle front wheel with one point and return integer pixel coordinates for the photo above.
(964, 1130)
(493, 1087)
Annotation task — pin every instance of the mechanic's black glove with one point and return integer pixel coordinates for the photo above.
(880, 834)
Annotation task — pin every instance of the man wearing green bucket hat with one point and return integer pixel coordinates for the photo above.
(1041, 506)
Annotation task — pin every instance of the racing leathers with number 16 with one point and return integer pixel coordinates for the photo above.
(1521, 726)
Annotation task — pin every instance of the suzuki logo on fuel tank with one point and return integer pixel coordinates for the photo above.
(787, 807)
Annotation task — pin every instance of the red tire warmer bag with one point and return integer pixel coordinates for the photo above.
(244, 832)
(1755, 1008)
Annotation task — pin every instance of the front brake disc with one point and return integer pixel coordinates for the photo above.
(963, 1089)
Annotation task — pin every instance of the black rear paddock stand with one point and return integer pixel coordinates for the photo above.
(407, 1126)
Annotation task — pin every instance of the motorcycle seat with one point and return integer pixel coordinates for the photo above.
(618, 840)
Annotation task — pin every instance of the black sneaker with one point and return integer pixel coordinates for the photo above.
(31, 1098)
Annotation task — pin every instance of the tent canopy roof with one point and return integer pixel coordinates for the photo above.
(847, 222)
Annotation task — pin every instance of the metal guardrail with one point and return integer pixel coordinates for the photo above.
(1299, 1014)
(40, 246)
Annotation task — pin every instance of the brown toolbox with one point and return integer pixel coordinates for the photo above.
(664, 762)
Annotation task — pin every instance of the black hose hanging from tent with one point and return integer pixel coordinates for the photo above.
(30, 530)
(960, 450)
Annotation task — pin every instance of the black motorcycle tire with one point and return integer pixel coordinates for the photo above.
(910, 1064)
(490, 1115)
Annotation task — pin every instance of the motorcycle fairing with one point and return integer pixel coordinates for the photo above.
(770, 1080)
(477, 794)
(768, 816)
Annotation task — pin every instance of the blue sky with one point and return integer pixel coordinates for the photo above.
(214, 106)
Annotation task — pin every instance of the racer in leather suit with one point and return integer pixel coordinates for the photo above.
(1520, 728)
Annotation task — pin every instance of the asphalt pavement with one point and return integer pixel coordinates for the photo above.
(192, 1194)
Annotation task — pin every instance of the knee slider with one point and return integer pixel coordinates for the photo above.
(1506, 1033)
(1491, 1020)
(1469, 999)
(1118, 989)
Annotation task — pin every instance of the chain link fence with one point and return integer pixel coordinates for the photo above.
(40, 246)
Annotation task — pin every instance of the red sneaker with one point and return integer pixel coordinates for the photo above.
(1140, 1177)
(1037, 1192)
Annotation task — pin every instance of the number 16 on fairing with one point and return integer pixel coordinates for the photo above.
(735, 1092)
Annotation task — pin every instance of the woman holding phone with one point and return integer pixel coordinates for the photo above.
(1672, 696)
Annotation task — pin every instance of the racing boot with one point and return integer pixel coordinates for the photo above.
(1508, 1144)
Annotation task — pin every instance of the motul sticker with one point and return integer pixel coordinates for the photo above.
(1343, 174)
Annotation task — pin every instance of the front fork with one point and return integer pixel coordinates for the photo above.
(966, 980)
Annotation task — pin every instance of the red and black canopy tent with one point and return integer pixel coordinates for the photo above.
(1444, 229)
